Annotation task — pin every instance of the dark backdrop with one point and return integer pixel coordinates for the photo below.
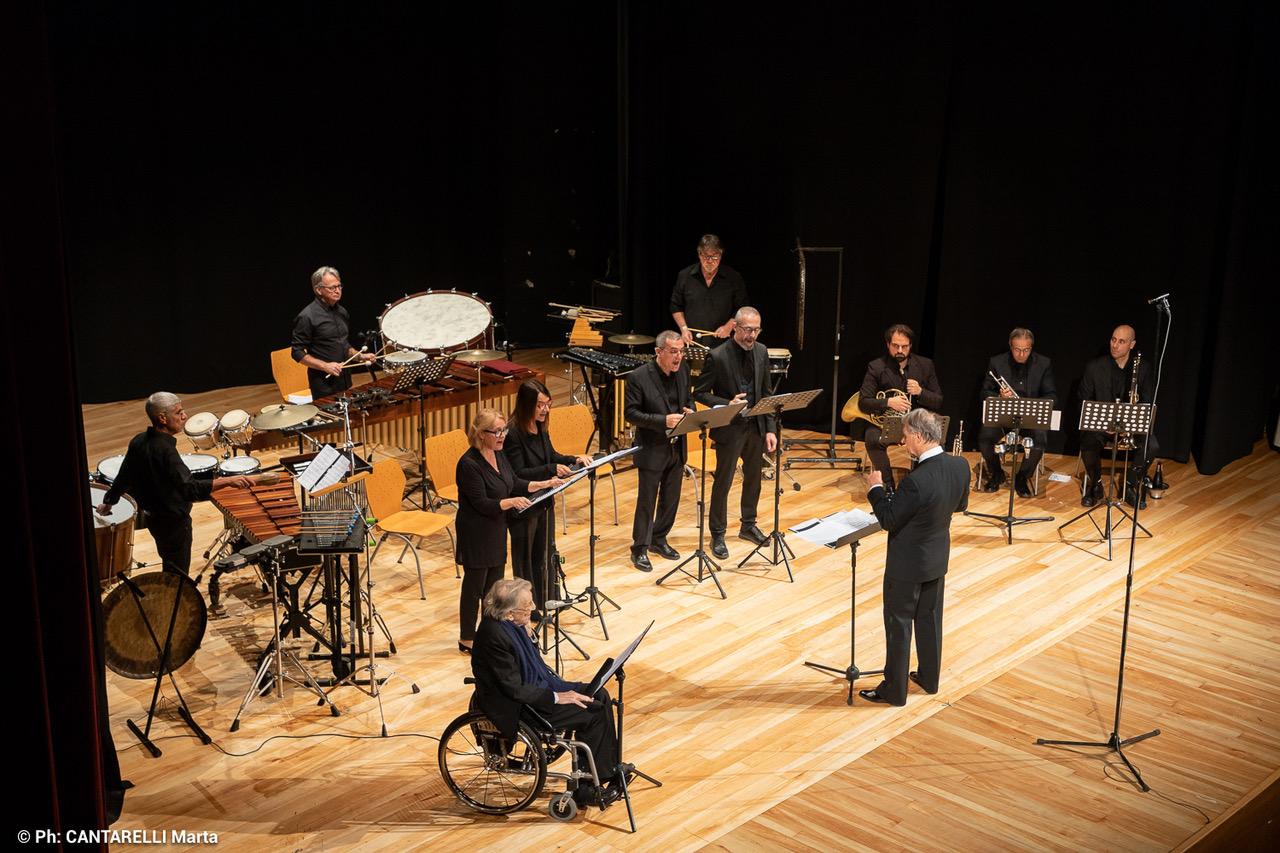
(983, 165)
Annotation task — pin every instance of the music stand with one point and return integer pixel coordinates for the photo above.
(703, 421)
(851, 673)
(775, 406)
(549, 496)
(592, 594)
(417, 375)
(1015, 414)
(1113, 418)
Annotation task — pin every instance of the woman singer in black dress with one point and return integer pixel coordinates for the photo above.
(487, 489)
(532, 457)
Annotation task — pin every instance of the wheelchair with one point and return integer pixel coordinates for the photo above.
(496, 775)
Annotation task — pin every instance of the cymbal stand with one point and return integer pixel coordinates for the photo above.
(269, 559)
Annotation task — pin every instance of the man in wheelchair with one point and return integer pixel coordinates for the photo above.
(510, 672)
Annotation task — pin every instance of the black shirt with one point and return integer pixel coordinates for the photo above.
(1104, 380)
(670, 390)
(156, 477)
(321, 331)
(704, 307)
(748, 361)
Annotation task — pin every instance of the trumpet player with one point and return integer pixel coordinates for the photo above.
(1020, 372)
(1111, 377)
(913, 379)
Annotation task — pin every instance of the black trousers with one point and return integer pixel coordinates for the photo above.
(910, 605)
(745, 444)
(475, 583)
(989, 436)
(593, 727)
(878, 456)
(324, 385)
(663, 488)
(529, 551)
(1091, 456)
(172, 535)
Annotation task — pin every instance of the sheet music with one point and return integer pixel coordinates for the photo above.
(824, 531)
(327, 468)
(603, 677)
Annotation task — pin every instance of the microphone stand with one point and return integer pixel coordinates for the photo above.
(1114, 743)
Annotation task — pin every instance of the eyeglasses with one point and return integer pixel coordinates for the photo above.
(673, 350)
(542, 405)
(330, 287)
(749, 330)
(711, 259)
(1021, 350)
(498, 433)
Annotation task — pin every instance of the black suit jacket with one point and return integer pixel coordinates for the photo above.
(500, 689)
(646, 407)
(1039, 382)
(481, 523)
(883, 374)
(918, 517)
(721, 381)
(1102, 380)
(531, 455)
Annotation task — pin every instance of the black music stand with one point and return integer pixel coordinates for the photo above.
(547, 499)
(851, 673)
(1014, 414)
(775, 406)
(415, 376)
(1113, 418)
(703, 421)
(592, 594)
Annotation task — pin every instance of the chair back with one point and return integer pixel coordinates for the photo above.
(443, 453)
(290, 376)
(385, 488)
(570, 428)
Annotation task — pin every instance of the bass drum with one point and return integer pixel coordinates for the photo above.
(130, 649)
(436, 322)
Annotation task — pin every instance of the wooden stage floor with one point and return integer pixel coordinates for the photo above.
(755, 750)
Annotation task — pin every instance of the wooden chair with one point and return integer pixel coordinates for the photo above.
(443, 453)
(290, 376)
(385, 488)
(570, 429)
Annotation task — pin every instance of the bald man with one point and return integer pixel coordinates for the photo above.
(1108, 378)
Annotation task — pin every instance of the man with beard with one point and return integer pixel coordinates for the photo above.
(902, 371)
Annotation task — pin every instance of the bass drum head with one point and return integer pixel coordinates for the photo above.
(436, 321)
(130, 650)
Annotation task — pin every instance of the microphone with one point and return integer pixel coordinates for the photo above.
(1156, 299)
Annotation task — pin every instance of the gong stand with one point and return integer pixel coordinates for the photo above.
(162, 669)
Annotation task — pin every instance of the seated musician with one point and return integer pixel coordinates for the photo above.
(1107, 378)
(1027, 374)
(903, 371)
(154, 474)
(510, 672)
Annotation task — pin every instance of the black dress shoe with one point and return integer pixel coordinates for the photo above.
(1091, 497)
(1022, 487)
(640, 560)
(993, 484)
(662, 549)
(872, 696)
(718, 548)
(752, 534)
(915, 676)
(1129, 496)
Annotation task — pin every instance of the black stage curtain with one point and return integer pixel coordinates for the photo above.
(985, 166)
(64, 773)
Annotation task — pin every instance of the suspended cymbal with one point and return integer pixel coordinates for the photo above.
(631, 340)
(474, 356)
(284, 416)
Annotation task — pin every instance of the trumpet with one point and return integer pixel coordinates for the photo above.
(1003, 384)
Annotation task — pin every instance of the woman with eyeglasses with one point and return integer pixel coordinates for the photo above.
(488, 489)
(532, 457)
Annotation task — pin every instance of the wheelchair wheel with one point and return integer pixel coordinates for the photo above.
(488, 772)
(563, 807)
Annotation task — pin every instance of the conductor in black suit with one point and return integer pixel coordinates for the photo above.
(738, 371)
(918, 519)
(1030, 375)
(532, 457)
(657, 396)
(510, 673)
(900, 370)
(488, 489)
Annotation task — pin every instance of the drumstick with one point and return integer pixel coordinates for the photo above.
(699, 331)
(349, 361)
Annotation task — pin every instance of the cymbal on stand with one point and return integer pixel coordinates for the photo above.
(631, 340)
(284, 416)
(475, 356)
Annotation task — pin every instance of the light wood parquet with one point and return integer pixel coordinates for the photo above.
(755, 750)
